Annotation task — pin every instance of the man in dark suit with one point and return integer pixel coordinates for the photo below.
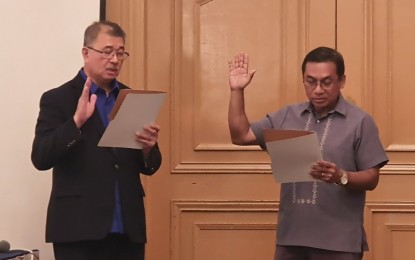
(96, 208)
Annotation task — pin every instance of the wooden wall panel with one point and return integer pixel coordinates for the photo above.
(354, 41)
(392, 230)
(209, 189)
(207, 34)
(378, 54)
(223, 230)
(130, 14)
(398, 55)
(149, 31)
(378, 43)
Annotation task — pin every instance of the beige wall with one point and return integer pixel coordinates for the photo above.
(40, 48)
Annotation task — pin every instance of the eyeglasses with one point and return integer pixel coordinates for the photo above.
(109, 54)
(325, 83)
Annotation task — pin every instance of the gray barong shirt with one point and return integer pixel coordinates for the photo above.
(319, 214)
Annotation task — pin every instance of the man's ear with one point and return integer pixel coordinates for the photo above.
(85, 53)
(343, 81)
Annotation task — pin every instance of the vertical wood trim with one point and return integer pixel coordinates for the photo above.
(102, 9)
(132, 18)
(335, 25)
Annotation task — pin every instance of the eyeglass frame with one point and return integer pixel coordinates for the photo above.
(113, 53)
(313, 84)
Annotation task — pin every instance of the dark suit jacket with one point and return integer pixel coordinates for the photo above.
(82, 199)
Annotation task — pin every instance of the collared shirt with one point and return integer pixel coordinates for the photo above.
(104, 104)
(319, 214)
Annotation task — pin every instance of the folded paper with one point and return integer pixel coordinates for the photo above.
(292, 153)
(132, 110)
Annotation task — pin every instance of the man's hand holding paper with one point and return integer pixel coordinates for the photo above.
(132, 118)
(147, 137)
(292, 154)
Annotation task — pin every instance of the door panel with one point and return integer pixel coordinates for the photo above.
(209, 173)
(215, 200)
(376, 40)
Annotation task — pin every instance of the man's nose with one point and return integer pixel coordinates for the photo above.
(114, 58)
(318, 88)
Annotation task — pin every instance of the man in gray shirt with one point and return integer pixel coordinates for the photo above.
(321, 219)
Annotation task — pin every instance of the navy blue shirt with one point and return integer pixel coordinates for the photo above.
(104, 105)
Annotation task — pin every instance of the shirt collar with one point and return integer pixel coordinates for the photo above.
(340, 107)
(94, 88)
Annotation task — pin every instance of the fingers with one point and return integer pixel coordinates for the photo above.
(324, 171)
(323, 166)
(87, 86)
(245, 61)
(240, 60)
(85, 92)
(149, 135)
(86, 105)
(230, 63)
(237, 60)
(252, 73)
(323, 176)
(92, 101)
(152, 129)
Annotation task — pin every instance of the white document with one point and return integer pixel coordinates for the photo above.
(133, 110)
(292, 153)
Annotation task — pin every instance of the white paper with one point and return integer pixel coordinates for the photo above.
(292, 153)
(137, 110)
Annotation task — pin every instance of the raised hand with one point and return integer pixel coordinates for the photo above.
(86, 105)
(239, 75)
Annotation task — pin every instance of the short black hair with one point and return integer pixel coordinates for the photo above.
(325, 54)
(92, 31)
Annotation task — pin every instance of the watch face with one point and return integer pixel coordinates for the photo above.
(344, 179)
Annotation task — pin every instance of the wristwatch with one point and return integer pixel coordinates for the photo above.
(344, 179)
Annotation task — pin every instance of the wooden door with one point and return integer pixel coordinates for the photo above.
(377, 38)
(214, 200)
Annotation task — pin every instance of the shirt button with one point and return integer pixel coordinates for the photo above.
(116, 166)
(318, 121)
